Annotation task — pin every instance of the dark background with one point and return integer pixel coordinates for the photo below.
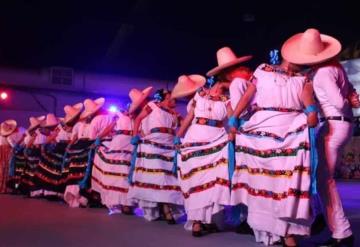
(159, 39)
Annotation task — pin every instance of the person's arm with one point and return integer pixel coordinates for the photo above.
(143, 114)
(307, 97)
(325, 79)
(245, 99)
(229, 110)
(186, 122)
(107, 130)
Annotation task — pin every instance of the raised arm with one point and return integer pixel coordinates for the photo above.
(143, 114)
(245, 99)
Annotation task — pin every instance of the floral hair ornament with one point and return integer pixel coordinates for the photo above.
(274, 57)
(210, 82)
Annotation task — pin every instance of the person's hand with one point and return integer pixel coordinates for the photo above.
(232, 134)
(135, 140)
(312, 119)
(354, 100)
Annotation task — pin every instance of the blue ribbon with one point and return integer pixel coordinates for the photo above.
(174, 169)
(64, 161)
(233, 122)
(314, 161)
(85, 182)
(310, 108)
(231, 150)
(134, 141)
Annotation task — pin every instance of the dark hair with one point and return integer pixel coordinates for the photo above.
(160, 95)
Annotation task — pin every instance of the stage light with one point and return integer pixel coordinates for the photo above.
(113, 108)
(3, 95)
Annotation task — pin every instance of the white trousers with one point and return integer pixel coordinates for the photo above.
(332, 138)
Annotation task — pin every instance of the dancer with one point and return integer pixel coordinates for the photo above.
(10, 134)
(203, 157)
(33, 141)
(336, 96)
(272, 174)
(154, 186)
(232, 69)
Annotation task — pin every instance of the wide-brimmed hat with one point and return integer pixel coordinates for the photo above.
(137, 97)
(7, 127)
(50, 121)
(226, 58)
(187, 85)
(91, 107)
(35, 122)
(71, 112)
(310, 48)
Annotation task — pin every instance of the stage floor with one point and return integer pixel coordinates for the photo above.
(35, 222)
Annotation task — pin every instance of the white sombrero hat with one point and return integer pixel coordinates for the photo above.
(91, 107)
(187, 85)
(71, 112)
(226, 58)
(137, 97)
(35, 122)
(310, 47)
(7, 127)
(50, 121)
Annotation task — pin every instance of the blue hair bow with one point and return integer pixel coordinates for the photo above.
(274, 57)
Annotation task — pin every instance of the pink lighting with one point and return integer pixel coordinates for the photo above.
(3, 95)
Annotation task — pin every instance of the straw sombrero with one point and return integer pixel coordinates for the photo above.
(91, 107)
(137, 97)
(7, 127)
(35, 122)
(50, 121)
(71, 112)
(226, 58)
(310, 48)
(187, 85)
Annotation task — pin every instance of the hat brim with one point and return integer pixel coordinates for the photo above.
(291, 51)
(69, 118)
(99, 102)
(8, 132)
(218, 69)
(135, 104)
(179, 92)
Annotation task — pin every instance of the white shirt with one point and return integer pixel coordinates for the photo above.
(63, 135)
(15, 137)
(332, 87)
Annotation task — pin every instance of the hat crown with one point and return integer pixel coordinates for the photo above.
(311, 42)
(33, 121)
(134, 94)
(51, 119)
(225, 55)
(90, 105)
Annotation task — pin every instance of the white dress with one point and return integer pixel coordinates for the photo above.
(153, 180)
(111, 165)
(203, 160)
(272, 173)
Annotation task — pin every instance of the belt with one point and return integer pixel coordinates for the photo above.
(163, 130)
(337, 118)
(209, 122)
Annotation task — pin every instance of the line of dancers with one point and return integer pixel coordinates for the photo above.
(265, 142)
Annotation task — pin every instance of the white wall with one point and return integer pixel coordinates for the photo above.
(32, 94)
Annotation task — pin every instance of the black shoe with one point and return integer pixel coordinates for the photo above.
(198, 233)
(171, 221)
(344, 242)
(318, 225)
(211, 228)
(244, 228)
